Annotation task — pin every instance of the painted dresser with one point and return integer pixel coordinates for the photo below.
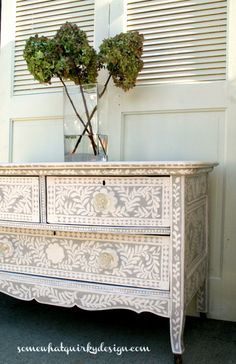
(129, 235)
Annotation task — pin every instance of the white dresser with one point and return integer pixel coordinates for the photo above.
(129, 235)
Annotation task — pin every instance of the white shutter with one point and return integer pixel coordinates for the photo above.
(45, 17)
(184, 40)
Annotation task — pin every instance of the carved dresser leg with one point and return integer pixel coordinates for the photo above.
(177, 359)
(177, 309)
(177, 322)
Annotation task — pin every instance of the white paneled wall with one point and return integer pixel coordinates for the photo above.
(182, 135)
(42, 147)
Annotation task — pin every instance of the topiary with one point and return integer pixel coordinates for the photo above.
(69, 56)
(122, 57)
(39, 54)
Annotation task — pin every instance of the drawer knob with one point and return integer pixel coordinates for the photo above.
(108, 259)
(104, 201)
(6, 248)
(101, 201)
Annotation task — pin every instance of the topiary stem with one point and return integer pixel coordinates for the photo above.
(84, 131)
(88, 124)
(72, 104)
(105, 87)
(91, 115)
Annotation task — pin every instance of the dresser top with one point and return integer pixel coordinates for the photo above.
(109, 168)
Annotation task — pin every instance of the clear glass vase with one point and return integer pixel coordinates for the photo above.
(82, 138)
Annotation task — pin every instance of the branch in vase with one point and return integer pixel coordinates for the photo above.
(89, 135)
(102, 145)
(86, 126)
(72, 104)
(91, 115)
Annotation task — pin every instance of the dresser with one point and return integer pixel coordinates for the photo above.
(125, 235)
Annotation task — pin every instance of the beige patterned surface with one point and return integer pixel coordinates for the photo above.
(195, 234)
(86, 296)
(116, 201)
(102, 232)
(19, 199)
(108, 168)
(116, 259)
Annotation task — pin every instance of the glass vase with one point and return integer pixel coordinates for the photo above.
(83, 141)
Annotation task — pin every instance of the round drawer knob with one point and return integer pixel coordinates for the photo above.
(108, 259)
(104, 201)
(101, 201)
(6, 249)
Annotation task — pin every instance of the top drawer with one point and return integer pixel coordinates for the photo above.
(111, 201)
(19, 199)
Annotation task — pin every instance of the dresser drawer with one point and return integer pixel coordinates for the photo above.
(131, 260)
(19, 199)
(113, 201)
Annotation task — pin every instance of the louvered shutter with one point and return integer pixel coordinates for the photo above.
(184, 40)
(44, 17)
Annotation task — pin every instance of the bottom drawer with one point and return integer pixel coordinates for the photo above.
(130, 260)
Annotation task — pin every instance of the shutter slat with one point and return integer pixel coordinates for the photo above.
(183, 40)
(181, 74)
(183, 44)
(181, 79)
(41, 29)
(185, 56)
(201, 33)
(23, 13)
(167, 3)
(44, 17)
(196, 52)
(169, 22)
(199, 69)
(22, 38)
(179, 62)
(189, 27)
(189, 13)
(26, 7)
(141, 13)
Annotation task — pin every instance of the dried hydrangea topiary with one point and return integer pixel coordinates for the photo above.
(39, 54)
(77, 59)
(69, 56)
(122, 56)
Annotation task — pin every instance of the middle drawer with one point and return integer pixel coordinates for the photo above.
(130, 260)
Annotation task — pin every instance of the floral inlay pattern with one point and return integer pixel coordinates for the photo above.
(99, 258)
(123, 201)
(196, 234)
(19, 199)
(68, 296)
(177, 310)
(196, 187)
